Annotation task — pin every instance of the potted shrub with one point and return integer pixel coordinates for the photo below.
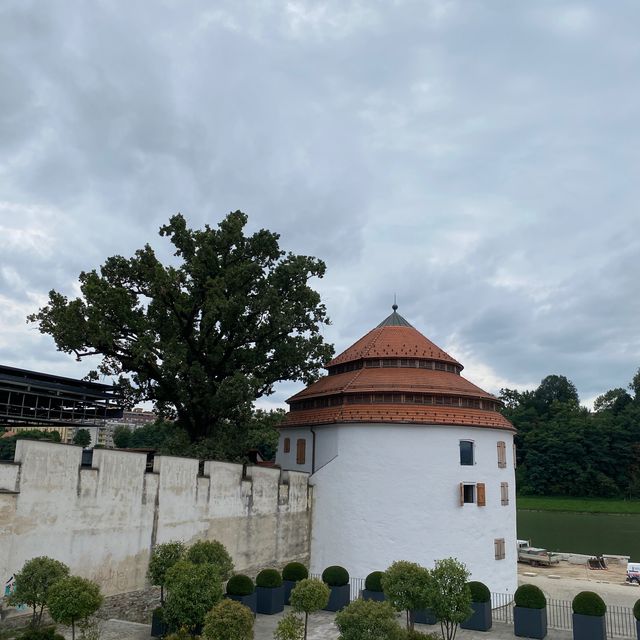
(337, 579)
(480, 619)
(241, 589)
(588, 616)
(373, 587)
(269, 592)
(636, 615)
(292, 573)
(530, 612)
(228, 621)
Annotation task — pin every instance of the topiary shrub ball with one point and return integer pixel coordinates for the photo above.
(240, 585)
(636, 610)
(294, 572)
(588, 603)
(479, 592)
(335, 576)
(269, 579)
(530, 597)
(373, 582)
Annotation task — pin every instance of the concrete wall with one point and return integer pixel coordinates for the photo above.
(391, 492)
(103, 520)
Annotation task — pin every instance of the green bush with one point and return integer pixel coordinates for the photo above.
(530, 597)
(44, 633)
(335, 576)
(211, 552)
(368, 620)
(269, 579)
(290, 627)
(72, 600)
(479, 592)
(588, 603)
(228, 620)
(636, 610)
(294, 572)
(412, 634)
(307, 596)
(240, 585)
(373, 582)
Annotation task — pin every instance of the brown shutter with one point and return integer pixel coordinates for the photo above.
(461, 494)
(504, 493)
(301, 453)
(482, 501)
(502, 454)
(287, 445)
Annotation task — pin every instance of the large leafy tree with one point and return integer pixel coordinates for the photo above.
(203, 336)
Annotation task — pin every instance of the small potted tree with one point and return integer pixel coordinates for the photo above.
(270, 592)
(480, 619)
(636, 615)
(72, 600)
(228, 621)
(530, 612)
(407, 586)
(373, 587)
(241, 589)
(309, 595)
(292, 574)
(588, 616)
(337, 579)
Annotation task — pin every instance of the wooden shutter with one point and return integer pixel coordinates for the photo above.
(287, 445)
(502, 454)
(301, 451)
(461, 493)
(498, 545)
(482, 501)
(504, 493)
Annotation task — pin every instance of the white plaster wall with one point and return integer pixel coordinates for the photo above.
(102, 521)
(392, 493)
(288, 460)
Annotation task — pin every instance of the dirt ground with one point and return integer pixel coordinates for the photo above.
(565, 580)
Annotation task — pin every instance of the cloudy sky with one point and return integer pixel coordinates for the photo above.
(480, 158)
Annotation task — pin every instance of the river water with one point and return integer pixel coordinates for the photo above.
(590, 533)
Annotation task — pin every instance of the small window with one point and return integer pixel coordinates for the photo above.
(467, 493)
(466, 452)
(504, 493)
(301, 452)
(287, 445)
(502, 455)
(498, 544)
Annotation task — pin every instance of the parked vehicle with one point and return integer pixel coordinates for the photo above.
(633, 572)
(536, 556)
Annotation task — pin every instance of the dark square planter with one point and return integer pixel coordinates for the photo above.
(424, 616)
(250, 601)
(270, 601)
(589, 627)
(480, 619)
(159, 628)
(530, 623)
(378, 596)
(288, 586)
(638, 629)
(339, 598)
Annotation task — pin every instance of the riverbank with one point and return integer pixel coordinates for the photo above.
(578, 505)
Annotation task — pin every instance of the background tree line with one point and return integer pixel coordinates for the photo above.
(565, 449)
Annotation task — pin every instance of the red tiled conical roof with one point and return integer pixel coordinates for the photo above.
(395, 375)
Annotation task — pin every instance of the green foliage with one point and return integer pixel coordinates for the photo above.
(204, 336)
(163, 557)
(309, 595)
(335, 576)
(407, 586)
(636, 610)
(290, 627)
(479, 592)
(269, 579)
(42, 633)
(122, 437)
(295, 571)
(240, 585)
(588, 603)
(32, 584)
(373, 582)
(412, 634)
(82, 438)
(368, 620)
(228, 620)
(579, 505)
(193, 589)
(8, 445)
(73, 600)
(211, 552)
(530, 597)
(450, 598)
(262, 432)
(181, 634)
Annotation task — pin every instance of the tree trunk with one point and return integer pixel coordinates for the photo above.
(306, 619)
(73, 630)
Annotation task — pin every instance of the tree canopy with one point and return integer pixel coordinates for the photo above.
(204, 335)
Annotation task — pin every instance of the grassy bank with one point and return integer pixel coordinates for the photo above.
(582, 505)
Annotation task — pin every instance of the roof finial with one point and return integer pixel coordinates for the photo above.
(394, 306)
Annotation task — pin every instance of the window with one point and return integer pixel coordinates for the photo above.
(466, 452)
(502, 455)
(472, 493)
(504, 493)
(287, 445)
(301, 451)
(498, 544)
